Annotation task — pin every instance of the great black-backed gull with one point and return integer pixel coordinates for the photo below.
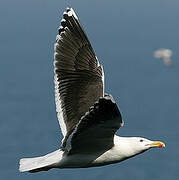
(88, 118)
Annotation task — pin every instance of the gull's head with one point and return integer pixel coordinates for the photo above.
(139, 144)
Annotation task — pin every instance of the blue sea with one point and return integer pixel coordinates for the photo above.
(124, 35)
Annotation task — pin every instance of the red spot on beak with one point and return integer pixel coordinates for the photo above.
(161, 145)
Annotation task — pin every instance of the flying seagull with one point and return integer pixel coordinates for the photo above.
(88, 117)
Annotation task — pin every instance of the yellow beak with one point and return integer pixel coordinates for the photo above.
(157, 144)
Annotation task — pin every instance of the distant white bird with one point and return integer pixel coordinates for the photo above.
(165, 55)
(88, 118)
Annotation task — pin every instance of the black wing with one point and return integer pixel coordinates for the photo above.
(95, 132)
(78, 75)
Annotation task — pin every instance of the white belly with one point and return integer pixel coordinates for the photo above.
(113, 155)
(91, 160)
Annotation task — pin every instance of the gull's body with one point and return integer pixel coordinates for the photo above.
(88, 118)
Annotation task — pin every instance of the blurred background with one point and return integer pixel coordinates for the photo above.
(126, 36)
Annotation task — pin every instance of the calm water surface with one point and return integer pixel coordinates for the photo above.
(124, 35)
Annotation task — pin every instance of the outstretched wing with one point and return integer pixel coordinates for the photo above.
(95, 132)
(78, 75)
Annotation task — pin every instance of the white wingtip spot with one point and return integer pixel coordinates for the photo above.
(70, 13)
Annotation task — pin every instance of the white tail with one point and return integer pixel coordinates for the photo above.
(42, 163)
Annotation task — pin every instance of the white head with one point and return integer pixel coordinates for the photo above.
(139, 144)
(132, 146)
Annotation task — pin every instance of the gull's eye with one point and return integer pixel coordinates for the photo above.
(141, 140)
